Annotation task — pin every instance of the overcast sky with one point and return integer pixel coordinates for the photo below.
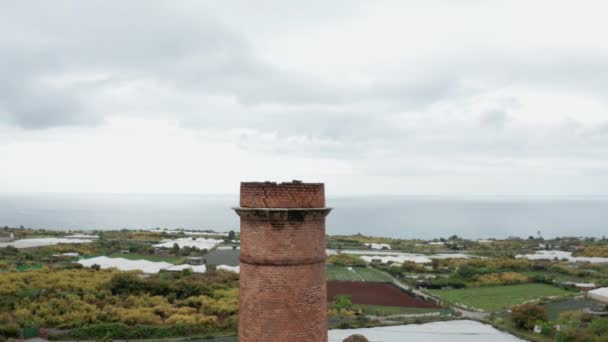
(377, 97)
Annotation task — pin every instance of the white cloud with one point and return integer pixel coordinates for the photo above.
(371, 97)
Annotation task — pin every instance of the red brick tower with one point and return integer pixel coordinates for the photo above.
(283, 289)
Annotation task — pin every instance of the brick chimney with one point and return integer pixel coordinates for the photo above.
(282, 283)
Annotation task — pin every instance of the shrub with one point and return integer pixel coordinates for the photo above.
(506, 278)
(466, 271)
(342, 302)
(345, 260)
(453, 282)
(594, 251)
(410, 266)
(395, 271)
(126, 283)
(526, 316)
(599, 326)
(9, 330)
(122, 331)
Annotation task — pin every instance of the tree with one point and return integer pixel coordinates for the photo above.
(435, 263)
(175, 248)
(126, 283)
(342, 302)
(466, 271)
(395, 271)
(525, 316)
(95, 267)
(231, 235)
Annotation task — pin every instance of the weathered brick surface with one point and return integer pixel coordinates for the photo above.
(283, 195)
(283, 303)
(283, 237)
(283, 288)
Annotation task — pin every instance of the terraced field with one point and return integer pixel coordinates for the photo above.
(377, 294)
(355, 274)
(495, 298)
(554, 309)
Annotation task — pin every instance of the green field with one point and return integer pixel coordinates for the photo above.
(496, 298)
(394, 310)
(575, 304)
(155, 258)
(356, 274)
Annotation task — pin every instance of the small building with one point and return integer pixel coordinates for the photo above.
(7, 238)
(125, 251)
(195, 261)
(601, 294)
(223, 255)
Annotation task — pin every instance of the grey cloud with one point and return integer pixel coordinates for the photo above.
(186, 50)
(40, 108)
(496, 118)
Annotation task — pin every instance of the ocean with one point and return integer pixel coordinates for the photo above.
(391, 216)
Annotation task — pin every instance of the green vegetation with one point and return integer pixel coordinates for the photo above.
(370, 274)
(39, 288)
(123, 331)
(495, 298)
(526, 316)
(594, 251)
(160, 306)
(394, 310)
(356, 274)
(573, 325)
(342, 306)
(554, 309)
(345, 260)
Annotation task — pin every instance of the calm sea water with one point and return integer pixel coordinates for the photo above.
(406, 217)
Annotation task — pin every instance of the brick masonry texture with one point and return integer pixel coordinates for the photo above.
(283, 303)
(283, 289)
(283, 195)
